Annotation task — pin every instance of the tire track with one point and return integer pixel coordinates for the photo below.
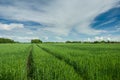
(67, 61)
(30, 65)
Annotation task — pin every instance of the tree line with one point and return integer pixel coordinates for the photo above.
(6, 40)
(36, 41)
(92, 42)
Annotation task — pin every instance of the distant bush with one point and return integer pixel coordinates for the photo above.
(5, 40)
(76, 41)
(68, 42)
(52, 42)
(36, 41)
(95, 42)
(73, 42)
(87, 42)
(106, 41)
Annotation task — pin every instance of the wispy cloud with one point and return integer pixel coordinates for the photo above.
(10, 26)
(63, 14)
(58, 17)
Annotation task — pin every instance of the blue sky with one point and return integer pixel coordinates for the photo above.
(60, 20)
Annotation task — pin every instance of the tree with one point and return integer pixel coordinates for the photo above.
(68, 42)
(36, 41)
(73, 42)
(96, 41)
(5, 40)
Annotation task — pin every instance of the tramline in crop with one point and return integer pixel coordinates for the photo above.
(59, 61)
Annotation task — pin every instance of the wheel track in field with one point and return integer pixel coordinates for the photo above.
(30, 65)
(67, 61)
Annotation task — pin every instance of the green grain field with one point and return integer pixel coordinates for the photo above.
(60, 61)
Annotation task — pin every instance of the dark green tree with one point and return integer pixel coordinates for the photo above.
(36, 41)
(5, 40)
(68, 42)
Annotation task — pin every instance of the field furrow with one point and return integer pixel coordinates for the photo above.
(90, 63)
(59, 61)
(66, 60)
(49, 67)
(30, 65)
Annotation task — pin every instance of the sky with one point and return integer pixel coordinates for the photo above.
(60, 20)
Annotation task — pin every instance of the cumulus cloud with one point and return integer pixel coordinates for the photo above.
(97, 38)
(10, 26)
(105, 38)
(25, 38)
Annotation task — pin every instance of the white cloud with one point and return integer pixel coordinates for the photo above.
(61, 16)
(58, 38)
(109, 39)
(97, 38)
(88, 39)
(46, 38)
(107, 22)
(105, 38)
(28, 38)
(118, 28)
(29, 32)
(10, 26)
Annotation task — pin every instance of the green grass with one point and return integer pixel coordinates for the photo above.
(92, 61)
(13, 61)
(48, 67)
(60, 62)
